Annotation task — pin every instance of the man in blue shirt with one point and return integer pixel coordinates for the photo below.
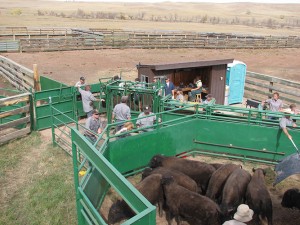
(169, 88)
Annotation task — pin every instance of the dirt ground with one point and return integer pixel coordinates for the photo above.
(67, 67)
(281, 216)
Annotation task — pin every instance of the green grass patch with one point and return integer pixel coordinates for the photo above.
(47, 195)
(14, 151)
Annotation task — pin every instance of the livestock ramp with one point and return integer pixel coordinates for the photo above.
(248, 136)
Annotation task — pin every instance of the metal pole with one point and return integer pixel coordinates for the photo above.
(295, 146)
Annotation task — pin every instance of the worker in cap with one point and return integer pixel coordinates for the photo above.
(81, 82)
(146, 119)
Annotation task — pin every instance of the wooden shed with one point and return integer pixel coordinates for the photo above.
(211, 72)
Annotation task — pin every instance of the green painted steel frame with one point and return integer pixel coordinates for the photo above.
(197, 132)
(86, 211)
(149, 93)
(62, 98)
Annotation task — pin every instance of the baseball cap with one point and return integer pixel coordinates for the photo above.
(82, 78)
(147, 109)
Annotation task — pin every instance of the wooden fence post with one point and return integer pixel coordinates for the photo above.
(36, 78)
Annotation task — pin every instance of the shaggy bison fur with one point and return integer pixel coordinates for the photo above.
(258, 197)
(189, 206)
(150, 188)
(234, 192)
(291, 198)
(180, 178)
(198, 171)
(218, 179)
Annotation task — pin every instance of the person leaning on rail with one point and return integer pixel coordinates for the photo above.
(287, 121)
(275, 104)
(87, 100)
(146, 122)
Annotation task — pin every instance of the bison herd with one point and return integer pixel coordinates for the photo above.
(200, 193)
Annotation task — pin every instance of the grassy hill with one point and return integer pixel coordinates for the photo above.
(273, 19)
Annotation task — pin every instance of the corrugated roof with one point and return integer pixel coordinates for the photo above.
(181, 65)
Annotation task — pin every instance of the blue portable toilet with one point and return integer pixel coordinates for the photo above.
(235, 80)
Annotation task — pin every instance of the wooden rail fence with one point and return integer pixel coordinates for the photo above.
(19, 76)
(64, 39)
(15, 119)
(260, 87)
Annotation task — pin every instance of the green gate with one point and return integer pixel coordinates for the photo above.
(188, 129)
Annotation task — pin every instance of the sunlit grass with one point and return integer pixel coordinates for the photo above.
(45, 194)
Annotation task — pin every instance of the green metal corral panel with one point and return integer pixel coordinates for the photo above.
(100, 165)
(95, 188)
(201, 134)
(47, 83)
(43, 114)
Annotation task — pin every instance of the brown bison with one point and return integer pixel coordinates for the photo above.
(198, 171)
(189, 206)
(216, 165)
(258, 197)
(291, 198)
(150, 188)
(234, 192)
(218, 179)
(180, 178)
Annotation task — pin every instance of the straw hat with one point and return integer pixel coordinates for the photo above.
(243, 213)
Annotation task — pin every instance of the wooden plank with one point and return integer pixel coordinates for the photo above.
(23, 109)
(254, 90)
(14, 135)
(14, 99)
(281, 90)
(21, 68)
(273, 79)
(18, 74)
(14, 80)
(15, 123)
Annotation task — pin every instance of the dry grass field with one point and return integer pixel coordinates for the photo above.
(150, 16)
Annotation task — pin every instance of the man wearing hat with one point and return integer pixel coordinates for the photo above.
(287, 121)
(93, 126)
(209, 100)
(243, 214)
(81, 82)
(148, 121)
(121, 112)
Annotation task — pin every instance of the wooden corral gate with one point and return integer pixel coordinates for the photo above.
(15, 117)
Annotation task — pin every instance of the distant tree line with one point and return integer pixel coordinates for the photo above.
(281, 22)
